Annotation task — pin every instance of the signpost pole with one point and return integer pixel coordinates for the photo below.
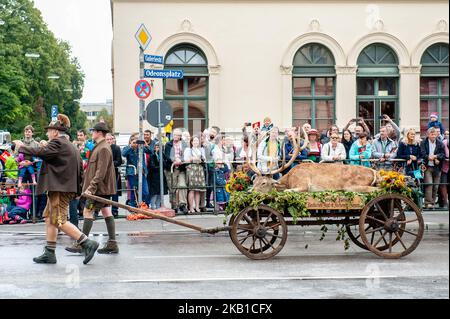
(161, 161)
(141, 133)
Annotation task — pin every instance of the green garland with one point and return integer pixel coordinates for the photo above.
(295, 203)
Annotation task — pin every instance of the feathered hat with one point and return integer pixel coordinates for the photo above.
(62, 123)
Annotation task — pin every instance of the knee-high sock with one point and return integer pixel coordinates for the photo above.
(87, 226)
(111, 227)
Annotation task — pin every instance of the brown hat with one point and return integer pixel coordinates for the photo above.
(101, 126)
(62, 123)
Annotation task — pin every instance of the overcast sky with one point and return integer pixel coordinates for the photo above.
(86, 25)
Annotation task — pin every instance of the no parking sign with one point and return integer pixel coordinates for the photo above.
(142, 89)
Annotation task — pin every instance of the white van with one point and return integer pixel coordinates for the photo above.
(5, 138)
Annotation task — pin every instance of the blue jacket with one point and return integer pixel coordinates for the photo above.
(404, 152)
(132, 157)
(437, 124)
(378, 151)
(289, 148)
(356, 150)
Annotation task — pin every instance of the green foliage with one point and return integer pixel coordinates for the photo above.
(104, 116)
(292, 202)
(26, 92)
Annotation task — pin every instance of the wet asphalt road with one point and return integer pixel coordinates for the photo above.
(185, 264)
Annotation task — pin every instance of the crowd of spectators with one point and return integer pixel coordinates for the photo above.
(196, 168)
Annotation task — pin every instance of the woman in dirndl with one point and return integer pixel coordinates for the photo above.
(195, 174)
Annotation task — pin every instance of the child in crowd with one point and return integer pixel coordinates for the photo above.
(434, 122)
(23, 169)
(11, 166)
(268, 125)
(221, 176)
(17, 213)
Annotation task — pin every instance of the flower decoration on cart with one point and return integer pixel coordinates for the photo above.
(393, 181)
(238, 181)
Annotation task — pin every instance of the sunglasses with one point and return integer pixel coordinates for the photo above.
(335, 138)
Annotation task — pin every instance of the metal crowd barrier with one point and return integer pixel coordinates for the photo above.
(214, 187)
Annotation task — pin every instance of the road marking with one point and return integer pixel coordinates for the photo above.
(254, 279)
(189, 256)
(242, 256)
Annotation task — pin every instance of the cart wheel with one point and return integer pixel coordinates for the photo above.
(259, 234)
(230, 223)
(394, 219)
(355, 236)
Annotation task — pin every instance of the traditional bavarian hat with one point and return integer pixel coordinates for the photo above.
(62, 123)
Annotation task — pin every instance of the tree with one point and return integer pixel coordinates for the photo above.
(26, 92)
(104, 116)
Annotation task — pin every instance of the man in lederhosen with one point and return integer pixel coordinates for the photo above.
(61, 177)
(99, 180)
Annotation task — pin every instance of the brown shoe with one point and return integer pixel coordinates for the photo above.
(75, 248)
(109, 248)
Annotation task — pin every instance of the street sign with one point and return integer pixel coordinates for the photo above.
(142, 89)
(163, 74)
(143, 37)
(159, 117)
(54, 112)
(155, 59)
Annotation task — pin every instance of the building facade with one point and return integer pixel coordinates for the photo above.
(92, 110)
(321, 62)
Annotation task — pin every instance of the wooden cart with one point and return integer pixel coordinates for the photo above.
(390, 225)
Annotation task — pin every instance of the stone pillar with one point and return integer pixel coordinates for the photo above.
(409, 97)
(286, 96)
(214, 111)
(345, 94)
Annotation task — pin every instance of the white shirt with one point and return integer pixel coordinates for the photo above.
(328, 152)
(194, 154)
(432, 147)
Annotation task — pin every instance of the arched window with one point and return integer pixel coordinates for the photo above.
(313, 87)
(377, 85)
(188, 96)
(434, 85)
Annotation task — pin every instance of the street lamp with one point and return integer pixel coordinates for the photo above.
(33, 55)
(68, 90)
(53, 77)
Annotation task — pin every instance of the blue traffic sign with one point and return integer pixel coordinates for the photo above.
(163, 74)
(54, 112)
(155, 59)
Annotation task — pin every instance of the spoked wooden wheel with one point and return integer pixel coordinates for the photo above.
(259, 233)
(396, 226)
(355, 236)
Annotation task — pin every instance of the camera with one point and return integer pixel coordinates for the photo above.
(381, 117)
(248, 124)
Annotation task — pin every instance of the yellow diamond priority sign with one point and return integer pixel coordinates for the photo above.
(143, 37)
